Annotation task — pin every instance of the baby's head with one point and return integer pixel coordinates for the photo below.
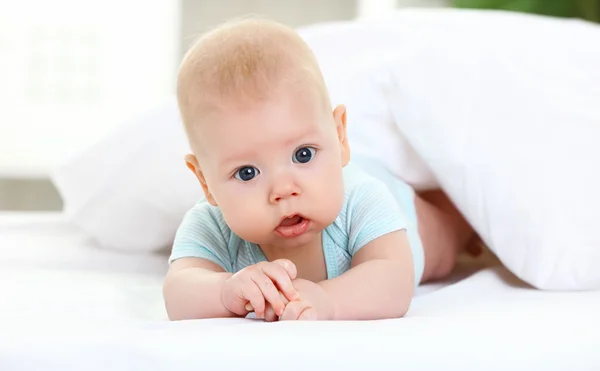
(266, 143)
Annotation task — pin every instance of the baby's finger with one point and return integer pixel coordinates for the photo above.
(270, 315)
(289, 267)
(280, 277)
(294, 309)
(253, 294)
(309, 314)
(283, 299)
(269, 291)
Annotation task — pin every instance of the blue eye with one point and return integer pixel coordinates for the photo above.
(304, 155)
(246, 173)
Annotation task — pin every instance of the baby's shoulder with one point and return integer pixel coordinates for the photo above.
(358, 183)
(204, 218)
(363, 198)
(202, 210)
(358, 187)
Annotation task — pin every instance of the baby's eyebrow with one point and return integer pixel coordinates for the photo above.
(237, 158)
(303, 137)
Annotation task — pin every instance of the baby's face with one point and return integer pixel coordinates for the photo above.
(275, 170)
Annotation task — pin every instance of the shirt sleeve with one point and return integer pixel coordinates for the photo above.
(373, 212)
(203, 234)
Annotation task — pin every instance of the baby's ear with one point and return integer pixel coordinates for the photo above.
(192, 163)
(339, 116)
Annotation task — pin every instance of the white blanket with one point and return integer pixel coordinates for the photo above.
(502, 111)
(69, 306)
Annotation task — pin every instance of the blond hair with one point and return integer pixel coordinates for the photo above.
(241, 62)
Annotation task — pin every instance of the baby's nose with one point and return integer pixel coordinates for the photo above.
(284, 191)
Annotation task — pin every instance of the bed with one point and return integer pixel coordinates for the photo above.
(68, 305)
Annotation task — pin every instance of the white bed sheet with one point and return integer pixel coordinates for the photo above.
(67, 305)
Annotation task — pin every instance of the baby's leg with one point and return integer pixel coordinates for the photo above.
(443, 232)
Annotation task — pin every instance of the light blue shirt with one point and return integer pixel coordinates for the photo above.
(370, 210)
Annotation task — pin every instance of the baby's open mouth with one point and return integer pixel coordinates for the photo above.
(292, 226)
(292, 220)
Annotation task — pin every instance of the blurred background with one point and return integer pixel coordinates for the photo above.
(72, 71)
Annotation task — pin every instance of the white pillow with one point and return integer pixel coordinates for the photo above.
(505, 110)
(130, 190)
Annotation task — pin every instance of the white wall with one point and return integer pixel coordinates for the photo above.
(72, 70)
(421, 3)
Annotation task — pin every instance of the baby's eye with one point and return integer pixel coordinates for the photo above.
(304, 155)
(246, 173)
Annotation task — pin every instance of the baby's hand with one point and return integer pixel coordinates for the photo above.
(270, 315)
(258, 285)
(299, 310)
(314, 303)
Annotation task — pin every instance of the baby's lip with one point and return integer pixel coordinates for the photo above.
(293, 229)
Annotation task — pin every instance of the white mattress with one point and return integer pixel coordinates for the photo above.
(67, 305)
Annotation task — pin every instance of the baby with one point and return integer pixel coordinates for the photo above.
(291, 227)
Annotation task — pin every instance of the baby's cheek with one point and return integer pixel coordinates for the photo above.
(331, 196)
(245, 216)
(334, 203)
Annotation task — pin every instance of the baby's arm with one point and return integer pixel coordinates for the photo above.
(380, 283)
(197, 288)
(192, 290)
